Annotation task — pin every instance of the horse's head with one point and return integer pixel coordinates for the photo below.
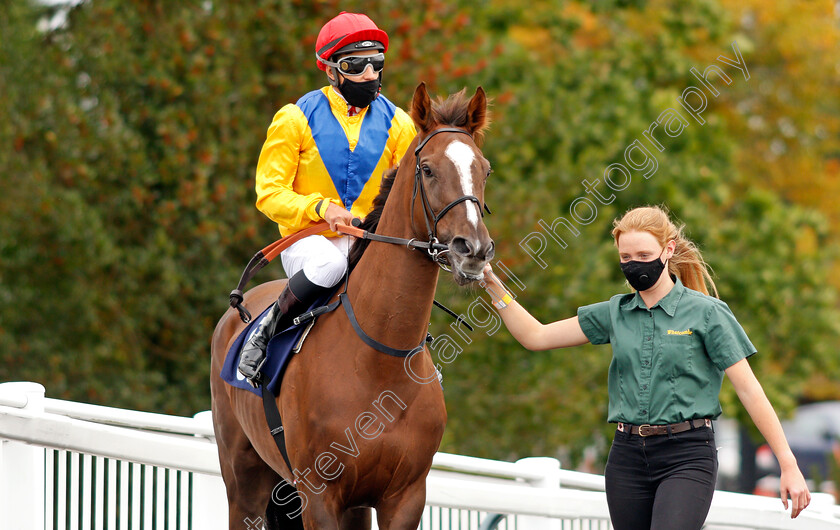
(450, 174)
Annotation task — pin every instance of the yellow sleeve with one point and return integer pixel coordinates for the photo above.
(405, 134)
(277, 169)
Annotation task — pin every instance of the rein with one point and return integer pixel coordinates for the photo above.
(264, 256)
(433, 247)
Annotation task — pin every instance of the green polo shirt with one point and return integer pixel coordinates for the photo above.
(668, 361)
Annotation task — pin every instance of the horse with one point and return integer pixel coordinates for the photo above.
(361, 426)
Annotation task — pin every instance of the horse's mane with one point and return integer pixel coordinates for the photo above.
(372, 220)
(452, 112)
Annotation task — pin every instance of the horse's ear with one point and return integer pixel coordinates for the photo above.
(477, 116)
(421, 109)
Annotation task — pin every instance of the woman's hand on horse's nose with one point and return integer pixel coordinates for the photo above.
(488, 273)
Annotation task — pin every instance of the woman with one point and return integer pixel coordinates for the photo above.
(672, 343)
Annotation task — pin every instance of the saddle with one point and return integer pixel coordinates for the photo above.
(279, 352)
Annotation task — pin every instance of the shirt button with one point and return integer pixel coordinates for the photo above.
(644, 412)
(647, 338)
(644, 387)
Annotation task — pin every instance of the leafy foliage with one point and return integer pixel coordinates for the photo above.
(133, 135)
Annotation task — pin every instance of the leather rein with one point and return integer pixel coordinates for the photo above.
(434, 248)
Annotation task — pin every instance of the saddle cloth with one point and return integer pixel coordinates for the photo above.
(280, 350)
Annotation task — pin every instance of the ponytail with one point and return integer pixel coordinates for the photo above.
(686, 264)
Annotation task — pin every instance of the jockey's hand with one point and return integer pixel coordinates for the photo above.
(336, 214)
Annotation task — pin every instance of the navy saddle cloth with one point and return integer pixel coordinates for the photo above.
(279, 352)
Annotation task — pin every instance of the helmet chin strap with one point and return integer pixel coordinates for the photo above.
(334, 79)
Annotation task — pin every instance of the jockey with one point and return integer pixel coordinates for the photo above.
(323, 160)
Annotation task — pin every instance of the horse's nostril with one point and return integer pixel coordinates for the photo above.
(461, 246)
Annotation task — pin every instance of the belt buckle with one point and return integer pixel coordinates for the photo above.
(642, 429)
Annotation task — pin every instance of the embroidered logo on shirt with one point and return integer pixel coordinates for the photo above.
(686, 332)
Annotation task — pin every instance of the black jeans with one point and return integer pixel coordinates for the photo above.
(661, 482)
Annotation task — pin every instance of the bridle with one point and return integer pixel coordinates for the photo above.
(436, 250)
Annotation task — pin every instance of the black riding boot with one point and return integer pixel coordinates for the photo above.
(294, 300)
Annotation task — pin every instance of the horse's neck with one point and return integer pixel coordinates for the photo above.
(392, 287)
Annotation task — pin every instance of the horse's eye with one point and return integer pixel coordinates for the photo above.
(427, 171)
(489, 171)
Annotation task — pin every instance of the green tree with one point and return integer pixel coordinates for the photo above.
(587, 83)
(135, 129)
(128, 212)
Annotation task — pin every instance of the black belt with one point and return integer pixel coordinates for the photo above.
(653, 430)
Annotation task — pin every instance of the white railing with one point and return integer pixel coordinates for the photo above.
(72, 466)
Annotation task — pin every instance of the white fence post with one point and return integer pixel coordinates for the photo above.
(210, 506)
(22, 470)
(550, 470)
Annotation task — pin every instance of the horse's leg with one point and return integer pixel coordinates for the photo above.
(403, 512)
(356, 519)
(277, 515)
(249, 481)
(320, 515)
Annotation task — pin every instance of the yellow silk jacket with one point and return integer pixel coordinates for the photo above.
(313, 151)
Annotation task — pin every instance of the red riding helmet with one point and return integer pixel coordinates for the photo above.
(348, 32)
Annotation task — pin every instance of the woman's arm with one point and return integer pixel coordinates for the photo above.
(751, 394)
(530, 332)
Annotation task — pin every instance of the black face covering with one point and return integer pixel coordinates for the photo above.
(642, 274)
(359, 94)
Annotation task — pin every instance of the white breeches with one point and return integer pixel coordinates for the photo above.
(322, 259)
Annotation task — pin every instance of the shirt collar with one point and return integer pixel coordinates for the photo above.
(668, 303)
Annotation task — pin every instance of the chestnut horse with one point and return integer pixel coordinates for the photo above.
(361, 426)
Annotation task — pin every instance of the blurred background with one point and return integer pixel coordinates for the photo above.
(130, 132)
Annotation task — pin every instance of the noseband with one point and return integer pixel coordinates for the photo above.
(436, 250)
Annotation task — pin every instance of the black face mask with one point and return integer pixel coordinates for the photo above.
(360, 94)
(642, 275)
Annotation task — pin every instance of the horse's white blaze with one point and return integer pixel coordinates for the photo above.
(462, 156)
